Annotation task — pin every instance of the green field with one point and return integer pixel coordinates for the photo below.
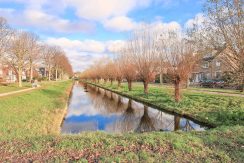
(30, 124)
(34, 113)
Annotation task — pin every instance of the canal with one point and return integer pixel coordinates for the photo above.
(93, 109)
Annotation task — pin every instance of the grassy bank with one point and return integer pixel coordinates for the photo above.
(215, 110)
(218, 145)
(34, 113)
(29, 131)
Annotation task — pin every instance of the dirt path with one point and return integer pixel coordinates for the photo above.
(217, 93)
(16, 92)
(206, 91)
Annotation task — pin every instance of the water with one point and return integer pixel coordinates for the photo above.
(92, 109)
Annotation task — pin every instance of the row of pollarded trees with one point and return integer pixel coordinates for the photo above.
(145, 55)
(23, 50)
(149, 52)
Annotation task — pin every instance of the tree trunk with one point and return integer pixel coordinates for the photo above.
(49, 73)
(177, 89)
(187, 83)
(119, 83)
(111, 82)
(31, 73)
(56, 74)
(145, 87)
(242, 86)
(20, 76)
(177, 122)
(161, 78)
(129, 85)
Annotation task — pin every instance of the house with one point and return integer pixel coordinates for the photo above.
(7, 74)
(209, 68)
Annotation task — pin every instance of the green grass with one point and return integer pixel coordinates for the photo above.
(30, 123)
(13, 87)
(215, 110)
(218, 145)
(36, 112)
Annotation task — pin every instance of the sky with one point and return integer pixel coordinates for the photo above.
(90, 30)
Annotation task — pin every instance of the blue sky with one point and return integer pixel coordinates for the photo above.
(89, 30)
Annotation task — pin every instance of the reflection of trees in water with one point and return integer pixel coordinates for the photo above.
(105, 101)
(119, 102)
(127, 121)
(98, 91)
(109, 102)
(146, 123)
(187, 126)
(176, 122)
(128, 118)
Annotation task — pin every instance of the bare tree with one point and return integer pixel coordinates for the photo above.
(118, 71)
(179, 58)
(143, 46)
(126, 65)
(18, 53)
(33, 52)
(5, 35)
(48, 57)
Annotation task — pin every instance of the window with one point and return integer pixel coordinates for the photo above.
(218, 63)
(207, 55)
(205, 65)
(218, 75)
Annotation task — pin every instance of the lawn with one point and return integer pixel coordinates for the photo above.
(13, 87)
(215, 110)
(30, 130)
(34, 113)
(218, 145)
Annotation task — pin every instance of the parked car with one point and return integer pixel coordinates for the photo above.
(212, 84)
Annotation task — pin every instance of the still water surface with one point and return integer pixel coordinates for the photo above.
(92, 109)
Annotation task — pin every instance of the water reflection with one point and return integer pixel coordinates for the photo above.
(92, 108)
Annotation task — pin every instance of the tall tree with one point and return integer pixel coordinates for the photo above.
(143, 47)
(18, 53)
(48, 53)
(33, 52)
(179, 58)
(126, 65)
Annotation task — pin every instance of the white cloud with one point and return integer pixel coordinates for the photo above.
(114, 46)
(82, 54)
(43, 21)
(159, 25)
(120, 24)
(104, 9)
(83, 46)
(198, 20)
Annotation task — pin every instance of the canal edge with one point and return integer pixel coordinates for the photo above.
(65, 110)
(170, 111)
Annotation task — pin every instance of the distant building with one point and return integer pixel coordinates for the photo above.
(7, 74)
(209, 68)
